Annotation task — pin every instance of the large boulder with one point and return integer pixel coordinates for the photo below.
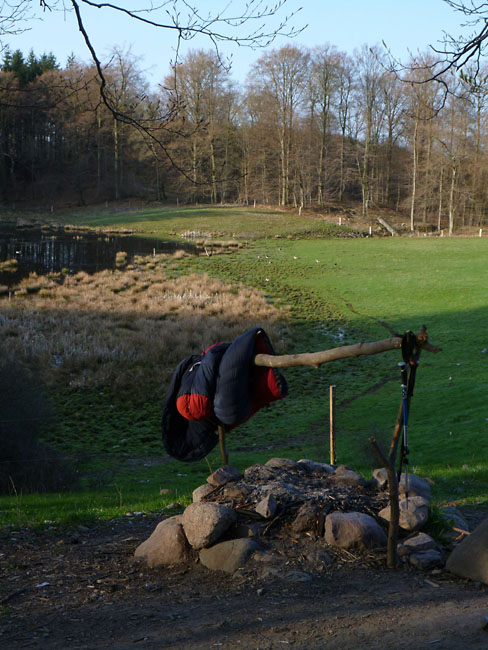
(201, 492)
(166, 545)
(228, 556)
(426, 560)
(417, 487)
(470, 558)
(454, 518)
(204, 523)
(414, 513)
(353, 530)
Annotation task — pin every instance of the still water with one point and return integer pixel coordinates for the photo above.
(50, 251)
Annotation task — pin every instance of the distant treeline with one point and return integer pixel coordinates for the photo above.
(308, 128)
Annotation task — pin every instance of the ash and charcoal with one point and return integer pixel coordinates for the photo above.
(303, 492)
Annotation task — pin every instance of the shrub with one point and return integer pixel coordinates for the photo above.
(26, 464)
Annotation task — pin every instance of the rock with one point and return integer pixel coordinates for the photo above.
(469, 559)
(204, 523)
(200, 492)
(421, 542)
(228, 556)
(417, 487)
(307, 518)
(281, 463)
(239, 491)
(353, 530)
(267, 507)
(313, 466)
(414, 513)
(166, 545)
(224, 475)
(402, 550)
(347, 476)
(380, 476)
(430, 559)
(454, 518)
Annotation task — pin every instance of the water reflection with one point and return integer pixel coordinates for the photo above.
(48, 251)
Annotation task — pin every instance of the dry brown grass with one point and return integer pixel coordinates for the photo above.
(126, 328)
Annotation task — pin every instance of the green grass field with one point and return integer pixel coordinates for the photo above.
(340, 291)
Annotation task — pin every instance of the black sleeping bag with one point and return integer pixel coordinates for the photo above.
(220, 386)
(185, 439)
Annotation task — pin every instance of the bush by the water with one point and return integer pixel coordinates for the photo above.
(27, 464)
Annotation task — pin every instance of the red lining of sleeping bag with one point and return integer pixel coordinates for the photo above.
(209, 348)
(193, 406)
(264, 386)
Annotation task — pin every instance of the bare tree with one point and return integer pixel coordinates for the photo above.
(371, 115)
(249, 23)
(323, 88)
(280, 76)
(204, 89)
(14, 15)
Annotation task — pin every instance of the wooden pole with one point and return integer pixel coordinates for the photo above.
(333, 455)
(316, 359)
(223, 451)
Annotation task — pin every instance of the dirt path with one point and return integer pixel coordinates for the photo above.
(82, 589)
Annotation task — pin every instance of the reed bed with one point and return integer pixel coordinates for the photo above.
(125, 327)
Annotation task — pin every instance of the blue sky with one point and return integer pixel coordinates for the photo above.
(403, 24)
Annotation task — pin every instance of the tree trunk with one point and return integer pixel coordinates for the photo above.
(451, 198)
(116, 160)
(414, 174)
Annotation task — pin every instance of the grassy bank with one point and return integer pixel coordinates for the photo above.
(241, 223)
(121, 335)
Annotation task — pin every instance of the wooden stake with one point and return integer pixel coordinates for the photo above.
(333, 455)
(223, 451)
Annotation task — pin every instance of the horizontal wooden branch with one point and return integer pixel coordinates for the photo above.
(316, 359)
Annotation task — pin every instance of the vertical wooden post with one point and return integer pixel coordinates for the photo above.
(333, 456)
(223, 451)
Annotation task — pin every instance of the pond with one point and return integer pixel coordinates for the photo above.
(52, 250)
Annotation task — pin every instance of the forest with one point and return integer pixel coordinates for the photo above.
(309, 128)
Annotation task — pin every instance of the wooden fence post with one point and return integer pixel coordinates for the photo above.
(223, 451)
(333, 455)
